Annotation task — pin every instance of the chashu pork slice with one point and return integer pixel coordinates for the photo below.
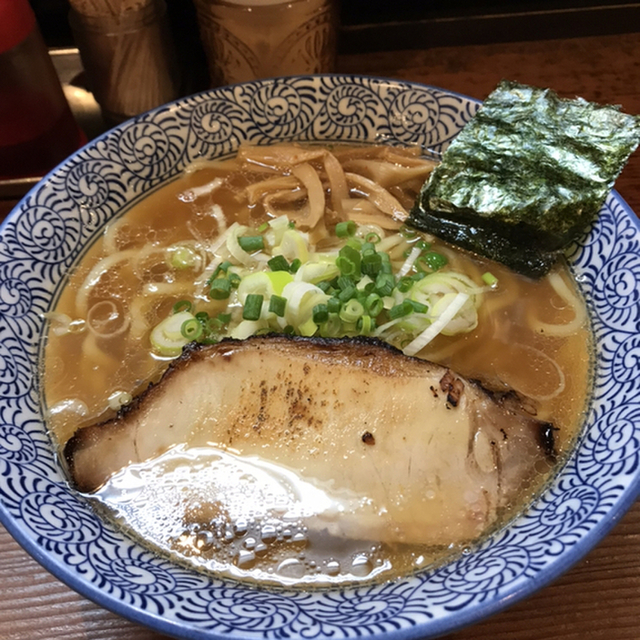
(431, 456)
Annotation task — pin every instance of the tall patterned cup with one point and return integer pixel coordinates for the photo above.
(249, 39)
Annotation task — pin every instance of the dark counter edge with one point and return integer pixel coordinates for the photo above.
(490, 28)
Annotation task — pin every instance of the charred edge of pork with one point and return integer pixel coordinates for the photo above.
(516, 402)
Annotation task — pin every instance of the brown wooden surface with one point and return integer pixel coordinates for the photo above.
(597, 599)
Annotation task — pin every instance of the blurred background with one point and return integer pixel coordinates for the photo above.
(375, 25)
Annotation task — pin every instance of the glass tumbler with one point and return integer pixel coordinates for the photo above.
(249, 39)
(127, 53)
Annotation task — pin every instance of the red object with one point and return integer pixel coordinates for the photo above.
(37, 129)
(16, 23)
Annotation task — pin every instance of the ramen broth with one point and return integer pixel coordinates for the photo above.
(531, 336)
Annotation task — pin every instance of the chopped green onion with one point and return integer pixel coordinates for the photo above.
(234, 280)
(333, 305)
(385, 284)
(289, 330)
(166, 337)
(223, 266)
(364, 325)
(489, 279)
(369, 287)
(225, 318)
(351, 311)
(404, 284)
(220, 289)
(320, 313)
(332, 328)
(212, 325)
(372, 237)
(353, 255)
(345, 229)
(278, 263)
(182, 305)
(292, 224)
(250, 244)
(295, 265)
(433, 260)
(386, 267)
(263, 227)
(423, 245)
(367, 247)
(324, 285)
(347, 267)
(191, 329)
(252, 306)
(277, 305)
(418, 307)
(371, 263)
(347, 293)
(401, 310)
(182, 257)
(373, 304)
(407, 232)
(307, 328)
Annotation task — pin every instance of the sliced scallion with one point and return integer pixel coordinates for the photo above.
(252, 306)
(351, 311)
(278, 263)
(347, 293)
(401, 310)
(418, 307)
(220, 289)
(371, 263)
(348, 253)
(183, 257)
(489, 279)
(404, 284)
(372, 237)
(373, 304)
(251, 244)
(345, 229)
(277, 305)
(347, 267)
(320, 313)
(385, 284)
(222, 267)
(191, 329)
(333, 305)
(433, 260)
(364, 325)
(182, 305)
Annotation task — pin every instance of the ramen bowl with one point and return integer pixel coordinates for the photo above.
(51, 229)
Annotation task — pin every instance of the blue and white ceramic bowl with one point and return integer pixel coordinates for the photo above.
(51, 228)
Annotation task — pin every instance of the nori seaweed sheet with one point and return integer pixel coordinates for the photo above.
(526, 176)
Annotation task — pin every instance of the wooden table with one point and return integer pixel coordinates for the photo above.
(597, 599)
